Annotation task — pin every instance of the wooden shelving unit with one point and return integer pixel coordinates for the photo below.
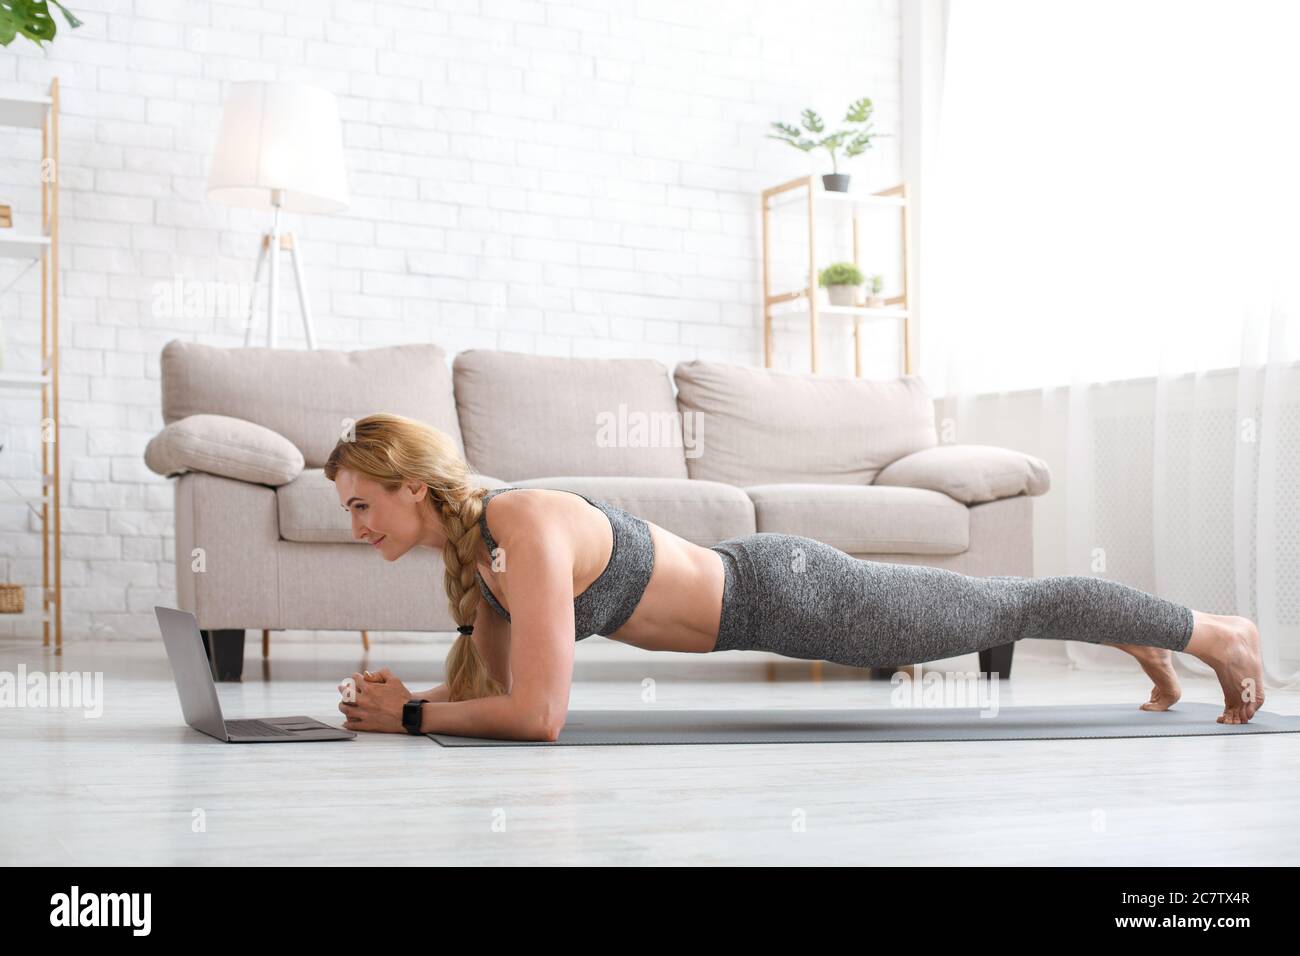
(42, 112)
(804, 301)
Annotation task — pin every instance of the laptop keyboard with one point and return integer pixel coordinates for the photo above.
(254, 728)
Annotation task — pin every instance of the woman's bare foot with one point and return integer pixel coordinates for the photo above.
(1158, 662)
(1230, 645)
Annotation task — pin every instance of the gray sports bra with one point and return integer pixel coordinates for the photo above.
(605, 606)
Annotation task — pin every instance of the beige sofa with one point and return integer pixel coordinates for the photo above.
(709, 452)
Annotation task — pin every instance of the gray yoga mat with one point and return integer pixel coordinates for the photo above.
(884, 725)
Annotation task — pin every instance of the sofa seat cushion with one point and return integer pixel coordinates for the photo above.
(865, 519)
(702, 512)
(756, 426)
(525, 415)
(309, 508)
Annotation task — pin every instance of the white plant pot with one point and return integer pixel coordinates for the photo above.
(841, 294)
(875, 302)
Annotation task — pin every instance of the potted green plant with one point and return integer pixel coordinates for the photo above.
(874, 299)
(32, 19)
(841, 281)
(853, 141)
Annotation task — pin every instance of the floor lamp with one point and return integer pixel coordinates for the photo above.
(280, 148)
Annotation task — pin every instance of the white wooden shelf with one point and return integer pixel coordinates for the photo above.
(807, 192)
(41, 113)
(26, 616)
(28, 112)
(22, 247)
(832, 199)
(799, 307)
(24, 379)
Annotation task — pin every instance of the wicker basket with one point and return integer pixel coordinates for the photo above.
(11, 599)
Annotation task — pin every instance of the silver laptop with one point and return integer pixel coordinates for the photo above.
(202, 709)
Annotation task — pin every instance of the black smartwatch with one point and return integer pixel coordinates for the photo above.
(411, 713)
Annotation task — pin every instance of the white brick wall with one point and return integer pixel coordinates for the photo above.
(571, 178)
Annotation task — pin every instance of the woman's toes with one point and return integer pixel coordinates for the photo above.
(1230, 716)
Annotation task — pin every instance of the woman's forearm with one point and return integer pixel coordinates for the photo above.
(439, 693)
(442, 693)
(497, 717)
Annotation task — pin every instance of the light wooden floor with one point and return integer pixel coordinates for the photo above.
(123, 788)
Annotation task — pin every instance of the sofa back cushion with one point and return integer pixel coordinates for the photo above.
(307, 395)
(538, 416)
(755, 426)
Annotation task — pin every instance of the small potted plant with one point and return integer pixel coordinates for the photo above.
(841, 280)
(874, 299)
(854, 142)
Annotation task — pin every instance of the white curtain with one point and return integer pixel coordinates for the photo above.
(1111, 227)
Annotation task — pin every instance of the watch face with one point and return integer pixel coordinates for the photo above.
(411, 715)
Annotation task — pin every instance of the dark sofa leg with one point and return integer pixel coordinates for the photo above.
(225, 650)
(997, 660)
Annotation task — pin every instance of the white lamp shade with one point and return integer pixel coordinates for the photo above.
(280, 136)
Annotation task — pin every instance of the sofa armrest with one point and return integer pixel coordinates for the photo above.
(969, 473)
(221, 445)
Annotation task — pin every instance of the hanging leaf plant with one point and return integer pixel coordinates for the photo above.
(32, 19)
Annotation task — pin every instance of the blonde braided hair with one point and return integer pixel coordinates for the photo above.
(393, 449)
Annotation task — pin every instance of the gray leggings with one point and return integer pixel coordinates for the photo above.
(801, 598)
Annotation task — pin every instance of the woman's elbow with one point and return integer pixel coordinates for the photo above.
(539, 730)
(543, 722)
(550, 728)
